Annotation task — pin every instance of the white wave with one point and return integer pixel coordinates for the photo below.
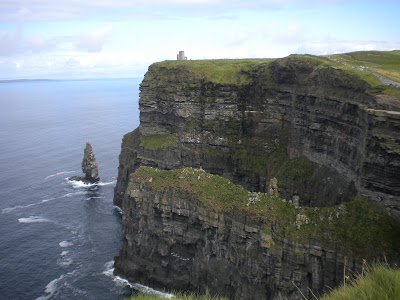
(10, 209)
(106, 183)
(51, 288)
(64, 253)
(118, 209)
(59, 173)
(46, 200)
(33, 219)
(137, 286)
(66, 262)
(81, 184)
(90, 198)
(69, 195)
(65, 244)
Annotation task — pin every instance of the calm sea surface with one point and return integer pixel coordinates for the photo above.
(58, 238)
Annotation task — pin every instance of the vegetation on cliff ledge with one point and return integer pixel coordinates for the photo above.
(360, 226)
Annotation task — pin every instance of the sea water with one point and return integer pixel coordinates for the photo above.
(58, 238)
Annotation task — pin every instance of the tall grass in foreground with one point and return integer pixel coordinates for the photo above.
(380, 282)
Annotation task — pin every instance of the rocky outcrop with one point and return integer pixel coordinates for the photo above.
(89, 166)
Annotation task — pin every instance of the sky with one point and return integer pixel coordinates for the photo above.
(76, 39)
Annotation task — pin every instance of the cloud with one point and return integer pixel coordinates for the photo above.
(240, 37)
(93, 41)
(9, 42)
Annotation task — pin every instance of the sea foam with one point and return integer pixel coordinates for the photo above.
(65, 244)
(10, 209)
(58, 174)
(33, 219)
(51, 288)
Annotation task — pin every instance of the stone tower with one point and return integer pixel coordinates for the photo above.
(181, 56)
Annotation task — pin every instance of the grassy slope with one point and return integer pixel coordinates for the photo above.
(359, 224)
(385, 63)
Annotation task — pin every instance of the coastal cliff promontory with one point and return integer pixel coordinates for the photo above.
(318, 137)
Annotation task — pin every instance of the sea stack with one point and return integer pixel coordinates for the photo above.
(89, 166)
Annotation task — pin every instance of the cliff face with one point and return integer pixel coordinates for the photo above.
(318, 130)
(189, 230)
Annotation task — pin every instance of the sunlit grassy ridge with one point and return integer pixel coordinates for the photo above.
(386, 63)
(358, 225)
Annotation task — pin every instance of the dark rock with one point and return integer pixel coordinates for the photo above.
(89, 167)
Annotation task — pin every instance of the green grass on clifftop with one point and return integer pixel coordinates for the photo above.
(219, 71)
(360, 225)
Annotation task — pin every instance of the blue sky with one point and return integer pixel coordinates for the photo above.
(65, 39)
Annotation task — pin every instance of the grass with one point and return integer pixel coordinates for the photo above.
(385, 63)
(379, 282)
(360, 226)
(219, 71)
(158, 141)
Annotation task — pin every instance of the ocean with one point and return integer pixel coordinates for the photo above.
(58, 238)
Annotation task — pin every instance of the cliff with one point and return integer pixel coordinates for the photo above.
(325, 134)
(189, 230)
(320, 131)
